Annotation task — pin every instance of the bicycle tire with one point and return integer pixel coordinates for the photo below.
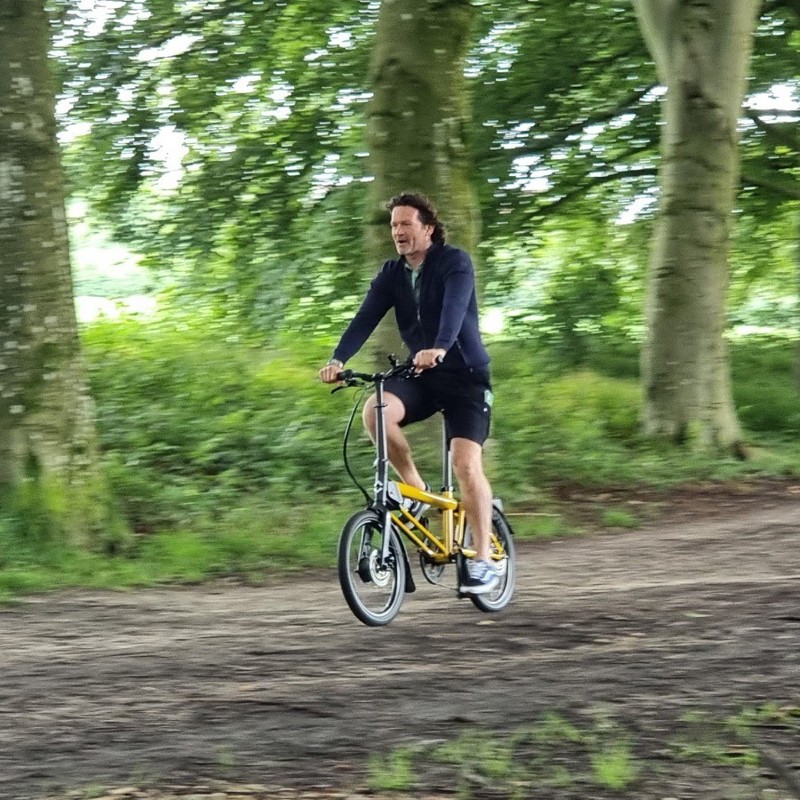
(373, 594)
(501, 595)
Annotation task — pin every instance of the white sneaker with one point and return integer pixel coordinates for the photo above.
(482, 577)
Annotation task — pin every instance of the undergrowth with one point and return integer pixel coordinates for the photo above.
(595, 757)
(224, 455)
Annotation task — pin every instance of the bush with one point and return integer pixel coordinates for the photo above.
(764, 384)
(192, 419)
(198, 421)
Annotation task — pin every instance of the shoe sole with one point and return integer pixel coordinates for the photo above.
(486, 588)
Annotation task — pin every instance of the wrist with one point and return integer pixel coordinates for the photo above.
(334, 362)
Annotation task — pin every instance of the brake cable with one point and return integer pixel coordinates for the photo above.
(359, 398)
(396, 369)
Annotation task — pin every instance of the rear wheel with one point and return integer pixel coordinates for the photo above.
(504, 560)
(374, 591)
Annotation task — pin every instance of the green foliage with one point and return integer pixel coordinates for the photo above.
(551, 752)
(225, 452)
(553, 426)
(213, 135)
(765, 383)
(704, 737)
(192, 420)
(208, 428)
(42, 519)
(600, 757)
(612, 766)
(539, 524)
(576, 296)
(247, 542)
(617, 518)
(34, 517)
(610, 754)
(263, 105)
(392, 773)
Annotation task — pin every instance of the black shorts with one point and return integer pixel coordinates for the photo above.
(464, 395)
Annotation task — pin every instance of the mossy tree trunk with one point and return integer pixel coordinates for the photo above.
(47, 438)
(417, 125)
(702, 52)
(797, 312)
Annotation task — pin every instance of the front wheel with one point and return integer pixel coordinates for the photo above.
(374, 591)
(504, 557)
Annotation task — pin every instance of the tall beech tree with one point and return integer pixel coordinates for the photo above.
(418, 121)
(702, 51)
(47, 438)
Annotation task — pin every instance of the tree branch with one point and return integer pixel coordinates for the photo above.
(783, 134)
(636, 172)
(656, 21)
(788, 189)
(562, 134)
(781, 5)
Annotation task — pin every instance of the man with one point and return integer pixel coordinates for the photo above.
(431, 287)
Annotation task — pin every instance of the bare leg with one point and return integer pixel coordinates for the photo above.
(399, 450)
(476, 493)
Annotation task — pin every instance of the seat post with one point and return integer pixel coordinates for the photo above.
(447, 460)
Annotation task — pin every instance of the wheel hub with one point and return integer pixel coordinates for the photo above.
(370, 570)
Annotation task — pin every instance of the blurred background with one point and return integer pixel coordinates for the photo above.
(226, 166)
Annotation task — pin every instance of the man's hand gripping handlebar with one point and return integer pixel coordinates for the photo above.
(425, 359)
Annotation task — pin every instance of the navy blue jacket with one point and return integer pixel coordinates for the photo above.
(448, 309)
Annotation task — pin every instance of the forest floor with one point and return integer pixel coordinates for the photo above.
(658, 662)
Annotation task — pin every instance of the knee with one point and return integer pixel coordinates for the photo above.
(392, 413)
(468, 467)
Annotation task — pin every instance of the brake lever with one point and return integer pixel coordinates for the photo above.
(346, 378)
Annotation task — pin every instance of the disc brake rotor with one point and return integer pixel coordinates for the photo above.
(378, 575)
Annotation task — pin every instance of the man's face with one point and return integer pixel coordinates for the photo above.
(411, 237)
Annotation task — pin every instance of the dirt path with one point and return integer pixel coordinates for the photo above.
(280, 685)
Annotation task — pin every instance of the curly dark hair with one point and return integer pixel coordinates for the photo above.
(427, 212)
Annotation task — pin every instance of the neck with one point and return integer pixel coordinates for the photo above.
(415, 259)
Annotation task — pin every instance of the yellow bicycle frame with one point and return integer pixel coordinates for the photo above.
(440, 549)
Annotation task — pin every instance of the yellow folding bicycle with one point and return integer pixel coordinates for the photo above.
(373, 564)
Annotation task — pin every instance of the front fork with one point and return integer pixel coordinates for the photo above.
(381, 490)
(402, 554)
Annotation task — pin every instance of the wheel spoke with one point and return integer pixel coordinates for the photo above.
(373, 590)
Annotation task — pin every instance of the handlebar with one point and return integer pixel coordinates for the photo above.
(352, 378)
(406, 369)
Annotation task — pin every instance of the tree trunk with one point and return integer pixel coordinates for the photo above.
(702, 51)
(417, 124)
(47, 440)
(797, 312)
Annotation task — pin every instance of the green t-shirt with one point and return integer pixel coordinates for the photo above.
(414, 275)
